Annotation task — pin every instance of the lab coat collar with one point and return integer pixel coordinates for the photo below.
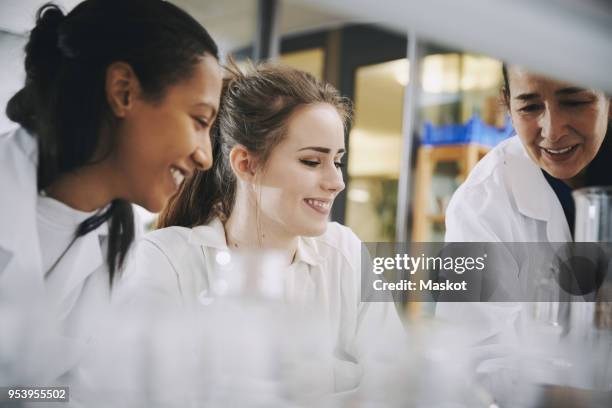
(90, 257)
(27, 144)
(213, 235)
(19, 227)
(210, 235)
(307, 252)
(534, 196)
(25, 178)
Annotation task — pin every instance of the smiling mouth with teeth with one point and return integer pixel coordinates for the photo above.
(318, 205)
(177, 175)
(559, 151)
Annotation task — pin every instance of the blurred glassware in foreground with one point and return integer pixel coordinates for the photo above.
(593, 214)
(241, 344)
(594, 224)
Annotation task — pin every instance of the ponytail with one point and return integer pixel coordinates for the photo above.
(42, 61)
(120, 235)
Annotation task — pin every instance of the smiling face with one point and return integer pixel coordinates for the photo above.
(302, 175)
(160, 143)
(561, 126)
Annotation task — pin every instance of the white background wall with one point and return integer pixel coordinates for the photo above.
(230, 22)
(12, 74)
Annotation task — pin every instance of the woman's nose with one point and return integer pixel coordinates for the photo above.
(202, 155)
(553, 124)
(333, 181)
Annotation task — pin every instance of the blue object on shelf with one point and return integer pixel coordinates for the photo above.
(474, 131)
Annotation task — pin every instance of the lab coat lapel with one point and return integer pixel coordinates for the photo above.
(209, 238)
(211, 235)
(87, 253)
(313, 285)
(534, 196)
(21, 275)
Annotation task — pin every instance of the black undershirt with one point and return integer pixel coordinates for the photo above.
(564, 194)
(598, 173)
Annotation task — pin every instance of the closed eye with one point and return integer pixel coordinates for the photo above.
(530, 108)
(309, 163)
(313, 163)
(575, 103)
(201, 122)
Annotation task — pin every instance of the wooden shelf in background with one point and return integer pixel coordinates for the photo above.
(466, 155)
(438, 218)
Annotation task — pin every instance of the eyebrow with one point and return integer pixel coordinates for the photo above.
(527, 96)
(565, 91)
(570, 90)
(208, 105)
(321, 149)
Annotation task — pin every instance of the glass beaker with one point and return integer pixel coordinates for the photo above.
(594, 224)
(593, 214)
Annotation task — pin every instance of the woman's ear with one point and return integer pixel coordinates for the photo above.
(243, 163)
(504, 97)
(122, 86)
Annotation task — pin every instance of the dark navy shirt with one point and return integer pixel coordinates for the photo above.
(564, 194)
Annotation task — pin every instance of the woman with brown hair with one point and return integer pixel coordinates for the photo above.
(277, 153)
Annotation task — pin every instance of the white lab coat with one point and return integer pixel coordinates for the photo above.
(504, 199)
(172, 267)
(22, 285)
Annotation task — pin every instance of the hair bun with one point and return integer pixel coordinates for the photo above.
(42, 52)
(49, 14)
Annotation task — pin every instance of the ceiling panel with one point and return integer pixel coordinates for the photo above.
(568, 39)
(231, 22)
